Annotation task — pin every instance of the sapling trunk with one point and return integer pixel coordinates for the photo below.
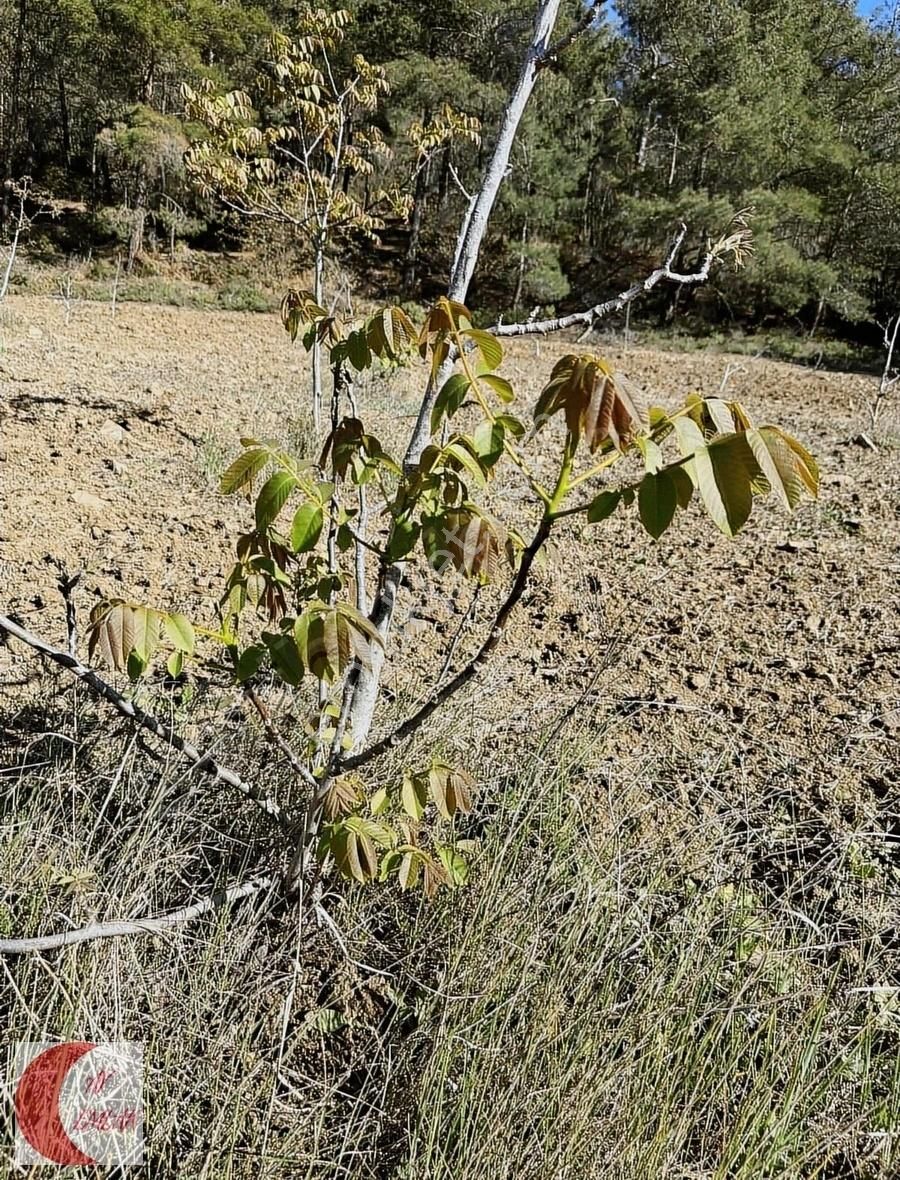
(471, 236)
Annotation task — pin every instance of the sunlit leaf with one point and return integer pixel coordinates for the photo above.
(243, 470)
(272, 497)
(307, 527)
(180, 632)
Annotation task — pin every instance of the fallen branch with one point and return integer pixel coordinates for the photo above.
(203, 762)
(117, 929)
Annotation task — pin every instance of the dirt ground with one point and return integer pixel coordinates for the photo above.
(779, 649)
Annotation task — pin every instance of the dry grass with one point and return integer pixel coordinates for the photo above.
(624, 990)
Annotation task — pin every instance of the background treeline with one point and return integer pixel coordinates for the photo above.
(669, 110)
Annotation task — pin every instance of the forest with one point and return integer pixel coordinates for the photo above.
(669, 112)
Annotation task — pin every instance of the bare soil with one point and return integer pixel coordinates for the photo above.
(779, 650)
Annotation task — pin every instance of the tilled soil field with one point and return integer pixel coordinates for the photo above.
(779, 650)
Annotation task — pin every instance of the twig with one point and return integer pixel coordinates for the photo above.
(889, 377)
(276, 739)
(66, 585)
(454, 642)
(203, 762)
(116, 929)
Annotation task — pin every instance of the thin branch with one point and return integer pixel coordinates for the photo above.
(203, 762)
(454, 642)
(889, 377)
(465, 674)
(66, 585)
(293, 758)
(591, 314)
(116, 929)
(459, 184)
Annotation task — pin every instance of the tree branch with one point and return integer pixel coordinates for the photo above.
(203, 762)
(293, 759)
(116, 929)
(619, 302)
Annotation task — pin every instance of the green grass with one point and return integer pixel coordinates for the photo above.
(96, 281)
(622, 990)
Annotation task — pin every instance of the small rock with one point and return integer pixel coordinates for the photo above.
(88, 500)
(112, 432)
(698, 681)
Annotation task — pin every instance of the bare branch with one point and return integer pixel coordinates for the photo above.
(202, 762)
(889, 374)
(276, 739)
(66, 585)
(116, 929)
(591, 314)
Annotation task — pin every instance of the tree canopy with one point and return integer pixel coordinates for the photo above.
(661, 112)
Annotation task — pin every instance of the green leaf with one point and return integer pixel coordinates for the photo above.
(463, 458)
(358, 352)
(725, 470)
(285, 657)
(489, 346)
(249, 662)
(175, 664)
(243, 470)
(684, 487)
(414, 796)
(653, 459)
(488, 441)
(690, 438)
(273, 497)
(379, 802)
(354, 852)
(602, 506)
(500, 386)
(136, 666)
(325, 1020)
(307, 527)
(451, 397)
(180, 632)
(456, 865)
(512, 425)
(403, 538)
(778, 464)
(656, 502)
(720, 414)
(146, 632)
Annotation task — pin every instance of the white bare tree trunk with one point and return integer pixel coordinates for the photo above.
(318, 296)
(469, 241)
